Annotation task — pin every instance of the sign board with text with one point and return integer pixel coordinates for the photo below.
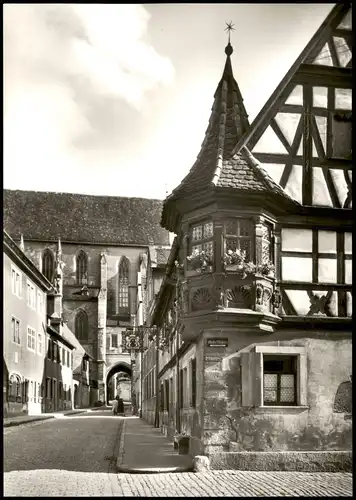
(218, 342)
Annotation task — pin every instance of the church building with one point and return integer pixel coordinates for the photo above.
(102, 243)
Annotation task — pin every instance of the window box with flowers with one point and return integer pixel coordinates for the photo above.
(200, 261)
(235, 260)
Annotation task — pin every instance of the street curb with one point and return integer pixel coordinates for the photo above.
(120, 458)
(157, 470)
(136, 470)
(47, 417)
(13, 424)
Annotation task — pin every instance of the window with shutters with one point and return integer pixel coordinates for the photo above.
(274, 376)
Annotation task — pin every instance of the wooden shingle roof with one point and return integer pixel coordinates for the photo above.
(83, 218)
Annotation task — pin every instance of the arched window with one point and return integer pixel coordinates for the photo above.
(48, 264)
(15, 388)
(82, 268)
(123, 287)
(81, 326)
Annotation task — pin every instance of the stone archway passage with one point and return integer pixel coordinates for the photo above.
(123, 370)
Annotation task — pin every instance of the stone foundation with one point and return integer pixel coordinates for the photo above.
(298, 461)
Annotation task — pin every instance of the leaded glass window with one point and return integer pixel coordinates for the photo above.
(82, 268)
(48, 264)
(202, 237)
(239, 235)
(81, 326)
(279, 380)
(123, 286)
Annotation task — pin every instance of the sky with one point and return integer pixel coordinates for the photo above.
(115, 99)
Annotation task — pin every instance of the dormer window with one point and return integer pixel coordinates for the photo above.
(239, 235)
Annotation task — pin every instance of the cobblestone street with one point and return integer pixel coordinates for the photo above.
(76, 456)
(215, 483)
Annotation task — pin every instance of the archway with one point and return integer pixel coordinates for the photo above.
(118, 382)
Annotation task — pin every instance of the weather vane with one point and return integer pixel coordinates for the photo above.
(229, 28)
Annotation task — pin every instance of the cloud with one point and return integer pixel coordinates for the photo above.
(64, 66)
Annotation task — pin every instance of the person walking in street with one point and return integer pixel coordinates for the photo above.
(115, 405)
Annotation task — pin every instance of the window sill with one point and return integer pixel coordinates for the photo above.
(289, 409)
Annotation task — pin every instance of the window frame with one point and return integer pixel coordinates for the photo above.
(204, 239)
(257, 377)
(280, 373)
(31, 295)
(16, 336)
(33, 337)
(81, 268)
(39, 343)
(123, 284)
(46, 269)
(16, 284)
(82, 320)
(238, 238)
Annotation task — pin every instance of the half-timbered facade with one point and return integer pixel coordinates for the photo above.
(255, 310)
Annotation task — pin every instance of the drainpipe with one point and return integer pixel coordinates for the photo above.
(178, 388)
(157, 381)
(177, 358)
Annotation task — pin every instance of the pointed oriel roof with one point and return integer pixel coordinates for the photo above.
(216, 166)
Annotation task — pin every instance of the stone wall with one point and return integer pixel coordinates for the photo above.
(316, 425)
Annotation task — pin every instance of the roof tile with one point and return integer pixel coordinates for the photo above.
(83, 218)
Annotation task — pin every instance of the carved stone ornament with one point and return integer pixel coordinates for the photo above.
(183, 301)
(102, 293)
(246, 293)
(267, 295)
(201, 299)
(276, 301)
(259, 294)
(233, 296)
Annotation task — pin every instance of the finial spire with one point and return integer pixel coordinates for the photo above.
(229, 28)
(22, 243)
(59, 247)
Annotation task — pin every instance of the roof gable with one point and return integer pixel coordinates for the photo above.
(317, 51)
(83, 218)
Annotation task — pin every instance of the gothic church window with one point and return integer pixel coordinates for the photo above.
(81, 326)
(48, 264)
(123, 286)
(82, 268)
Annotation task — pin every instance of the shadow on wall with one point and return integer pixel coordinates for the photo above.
(343, 399)
(56, 393)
